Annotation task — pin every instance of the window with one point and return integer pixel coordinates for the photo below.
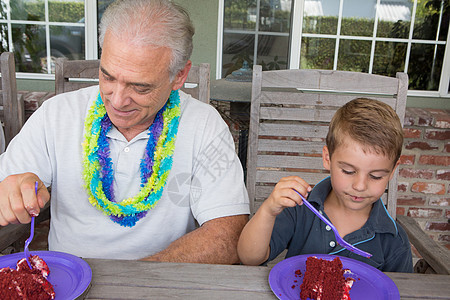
(374, 36)
(258, 31)
(38, 31)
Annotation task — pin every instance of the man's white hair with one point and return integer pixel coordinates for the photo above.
(160, 23)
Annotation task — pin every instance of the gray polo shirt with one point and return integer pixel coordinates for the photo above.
(300, 231)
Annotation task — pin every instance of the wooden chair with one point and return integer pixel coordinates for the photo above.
(197, 83)
(290, 113)
(12, 116)
(71, 75)
(13, 112)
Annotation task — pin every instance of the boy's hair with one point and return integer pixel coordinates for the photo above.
(372, 123)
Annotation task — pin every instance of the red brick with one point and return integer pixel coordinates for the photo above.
(425, 121)
(438, 226)
(441, 118)
(443, 174)
(434, 160)
(420, 145)
(408, 120)
(437, 201)
(428, 188)
(413, 173)
(433, 134)
(442, 124)
(411, 133)
(400, 211)
(407, 159)
(417, 212)
(402, 186)
(446, 148)
(444, 238)
(410, 200)
(448, 246)
(447, 214)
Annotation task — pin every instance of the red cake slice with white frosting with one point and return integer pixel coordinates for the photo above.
(324, 280)
(26, 283)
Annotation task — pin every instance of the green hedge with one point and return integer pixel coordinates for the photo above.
(389, 57)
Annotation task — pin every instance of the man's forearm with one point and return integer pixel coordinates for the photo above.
(215, 242)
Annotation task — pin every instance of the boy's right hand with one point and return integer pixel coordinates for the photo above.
(283, 195)
(18, 200)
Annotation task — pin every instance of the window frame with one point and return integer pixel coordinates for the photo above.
(296, 31)
(256, 32)
(90, 30)
(295, 48)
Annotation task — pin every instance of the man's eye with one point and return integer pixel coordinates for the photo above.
(141, 90)
(107, 78)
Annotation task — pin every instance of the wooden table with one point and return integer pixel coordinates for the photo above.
(118, 279)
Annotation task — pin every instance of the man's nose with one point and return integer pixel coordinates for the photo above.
(120, 96)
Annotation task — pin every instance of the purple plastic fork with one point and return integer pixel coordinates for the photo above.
(339, 239)
(28, 241)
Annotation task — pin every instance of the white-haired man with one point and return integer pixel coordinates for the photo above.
(135, 164)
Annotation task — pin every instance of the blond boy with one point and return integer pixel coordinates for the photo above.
(363, 146)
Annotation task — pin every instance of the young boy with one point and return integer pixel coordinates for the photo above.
(363, 145)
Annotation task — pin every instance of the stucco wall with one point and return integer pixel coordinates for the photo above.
(204, 14)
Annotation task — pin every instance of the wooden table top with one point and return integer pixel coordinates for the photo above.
(120, 279)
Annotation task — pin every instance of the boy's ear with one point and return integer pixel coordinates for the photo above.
(326, 158)
(393, 170)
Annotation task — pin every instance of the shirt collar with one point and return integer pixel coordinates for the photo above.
(379, 219)
(114, 133)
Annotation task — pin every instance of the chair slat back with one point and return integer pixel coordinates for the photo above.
(197, 83)
(12, 112)
(71, 75)
(290, 114)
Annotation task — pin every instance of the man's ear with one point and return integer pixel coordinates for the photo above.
(326, 158)
(181, 76)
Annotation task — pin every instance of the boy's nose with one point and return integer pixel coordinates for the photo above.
(360, 183)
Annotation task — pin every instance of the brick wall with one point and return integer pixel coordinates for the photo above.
(424, 173)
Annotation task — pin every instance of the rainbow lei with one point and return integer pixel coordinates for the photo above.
(155, 165)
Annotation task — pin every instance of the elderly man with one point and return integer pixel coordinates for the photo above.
(135, 165)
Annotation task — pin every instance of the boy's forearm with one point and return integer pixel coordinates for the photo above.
(254, 242)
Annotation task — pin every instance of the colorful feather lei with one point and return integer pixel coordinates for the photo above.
(155, 166)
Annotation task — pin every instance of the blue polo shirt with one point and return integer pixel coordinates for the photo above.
(300, 231)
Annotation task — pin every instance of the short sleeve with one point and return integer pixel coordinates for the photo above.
(218, 178)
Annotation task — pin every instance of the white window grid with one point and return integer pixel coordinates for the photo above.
(297, 35)
(90, 29)
(256, 32)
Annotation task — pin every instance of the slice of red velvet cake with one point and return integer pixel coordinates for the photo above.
(324, 279)
(26, 283)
